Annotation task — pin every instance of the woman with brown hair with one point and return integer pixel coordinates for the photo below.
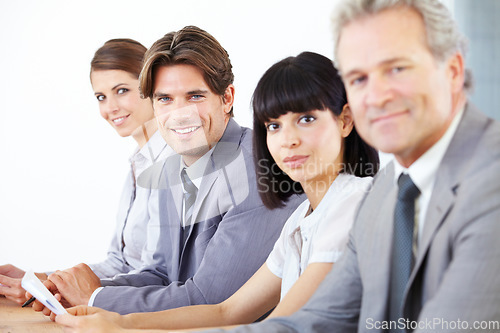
(114, 76)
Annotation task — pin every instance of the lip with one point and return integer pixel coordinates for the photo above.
(295, 161)
(118, 121)
(389, 117)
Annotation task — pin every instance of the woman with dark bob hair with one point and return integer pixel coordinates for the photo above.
(305, 142)
(300, 84)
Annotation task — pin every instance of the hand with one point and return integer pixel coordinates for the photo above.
(83, 319)
(11, 271)
(10, 283)
(39, 306)
(76, 284)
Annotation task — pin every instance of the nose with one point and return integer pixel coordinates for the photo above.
(379, 92)
(110, 106)
(289, 136)
(183, 114)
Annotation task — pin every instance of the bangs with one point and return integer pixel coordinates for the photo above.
(285, 89)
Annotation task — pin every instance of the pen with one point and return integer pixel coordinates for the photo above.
(28, 302)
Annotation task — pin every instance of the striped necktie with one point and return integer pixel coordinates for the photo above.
(189, 196)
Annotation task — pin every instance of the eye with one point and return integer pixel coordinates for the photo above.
(196, 97)
(306, 119)
(358, 80)
(121, 91)
(397, 69)
(272, 127)
(100, 98)
(164, 100)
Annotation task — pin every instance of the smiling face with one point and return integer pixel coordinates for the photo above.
(307, 146)
(119, 101)
(402, 98)
(190, 116)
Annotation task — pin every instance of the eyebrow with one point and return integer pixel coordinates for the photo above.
(383, 63)
(197, 92)
(192, 92)
(116, 86)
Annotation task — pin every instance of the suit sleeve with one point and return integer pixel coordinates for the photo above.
(240, 245)
(113, 264)
(469, 292)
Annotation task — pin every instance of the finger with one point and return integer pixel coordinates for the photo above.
(38, 306)
(55, 280)
(73, 311)
(11, 271)
(83, 310)
(18, 300)
(66, 273)
(8, 281)
(52, 281)
(66, 320)
(46, 311)
(79, 310)
(41, 276)
(11, 287)
(53, 316)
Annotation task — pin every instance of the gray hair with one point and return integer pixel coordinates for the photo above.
(443, 36)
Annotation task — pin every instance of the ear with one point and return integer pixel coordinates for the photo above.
(345, 120)
(456, 72)
(228, 99)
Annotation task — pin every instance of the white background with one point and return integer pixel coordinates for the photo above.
(62, 167)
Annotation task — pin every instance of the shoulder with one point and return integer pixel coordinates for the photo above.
(154, 176)
(347, 187)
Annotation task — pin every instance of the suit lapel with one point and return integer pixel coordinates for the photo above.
(225, 152)
(380, 233)
(172, 172)
(451, 170)
(209, 178)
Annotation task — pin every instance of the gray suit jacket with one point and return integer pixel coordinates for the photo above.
(233, 235)
(456, 278)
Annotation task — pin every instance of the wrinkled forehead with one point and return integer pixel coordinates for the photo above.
(389, 34)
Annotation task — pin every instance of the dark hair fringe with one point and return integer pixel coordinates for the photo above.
(299, 84)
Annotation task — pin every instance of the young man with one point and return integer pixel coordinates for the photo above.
(211, 231)
(423, 252)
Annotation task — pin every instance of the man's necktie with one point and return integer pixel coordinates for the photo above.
(189, 199)
(402, 254)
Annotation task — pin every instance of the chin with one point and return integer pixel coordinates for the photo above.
(123, 133)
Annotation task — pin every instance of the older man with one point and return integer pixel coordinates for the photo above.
(424, 250)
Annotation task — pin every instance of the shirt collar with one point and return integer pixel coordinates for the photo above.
(152, 149)
(196, 170)
(423, 170)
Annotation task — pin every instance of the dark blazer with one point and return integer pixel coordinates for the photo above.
(233, 235)
(457, 270)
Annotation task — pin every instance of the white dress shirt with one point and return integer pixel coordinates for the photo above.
(195, 173)
(423, 172)
(322, 235)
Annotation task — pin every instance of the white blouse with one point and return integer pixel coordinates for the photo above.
(322, 235)
(126, 249)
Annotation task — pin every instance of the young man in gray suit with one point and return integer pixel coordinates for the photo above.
(424, 252)
(209, 231)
